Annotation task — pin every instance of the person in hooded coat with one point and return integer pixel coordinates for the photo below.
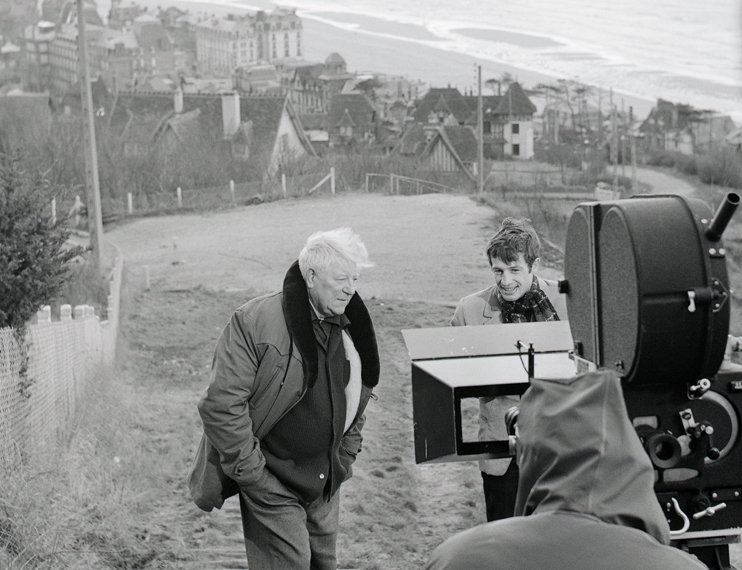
(585, 493)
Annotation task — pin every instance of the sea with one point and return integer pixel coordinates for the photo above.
(630, 52)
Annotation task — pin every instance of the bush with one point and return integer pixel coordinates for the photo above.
(33, 256)
(721, 168)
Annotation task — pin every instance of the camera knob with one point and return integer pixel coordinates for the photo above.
(709, 511)
(713, 453)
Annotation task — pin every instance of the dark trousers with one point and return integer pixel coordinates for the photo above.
(499, 493)
(284, 533)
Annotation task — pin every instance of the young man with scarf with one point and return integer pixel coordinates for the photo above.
(518, 296)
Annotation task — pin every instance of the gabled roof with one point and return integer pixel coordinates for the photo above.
(346, 120)
(448, 98)
(334, 59)
(413, 142)
(353, 107)
(149, 112)
(515, 102)
(460, 143)
(308, 73)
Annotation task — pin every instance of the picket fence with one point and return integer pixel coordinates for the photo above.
(41, 389)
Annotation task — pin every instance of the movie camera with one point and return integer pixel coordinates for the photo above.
(648, 295)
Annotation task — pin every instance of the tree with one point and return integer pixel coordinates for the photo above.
(34, 260)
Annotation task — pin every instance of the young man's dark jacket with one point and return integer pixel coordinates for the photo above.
(265, 360)
(585, 493)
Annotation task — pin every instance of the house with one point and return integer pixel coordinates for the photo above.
(507, 123)
(507, 119)
(681, 128)
(446, 149)
(261, 79)
(262, 131)
(453, 149)
(351, 120)
(440, 107)
(312, 86)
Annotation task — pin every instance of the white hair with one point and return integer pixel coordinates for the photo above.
(323, 249)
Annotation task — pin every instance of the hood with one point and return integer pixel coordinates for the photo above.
(578, 451)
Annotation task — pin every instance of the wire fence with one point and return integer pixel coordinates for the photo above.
(44, 375)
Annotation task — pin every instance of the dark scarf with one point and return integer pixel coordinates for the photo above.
(533, 306)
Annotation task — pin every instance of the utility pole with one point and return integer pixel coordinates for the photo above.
(633, 149)
(623, 140)
(480, 131)
(92, 182)
(614, 143)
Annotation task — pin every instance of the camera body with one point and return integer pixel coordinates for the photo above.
(648, 296)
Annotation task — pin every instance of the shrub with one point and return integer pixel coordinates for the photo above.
(33, 256)
(721, 167)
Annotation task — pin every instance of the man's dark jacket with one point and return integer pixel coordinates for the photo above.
(265, 360)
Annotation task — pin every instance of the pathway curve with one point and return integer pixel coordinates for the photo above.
(662, 183)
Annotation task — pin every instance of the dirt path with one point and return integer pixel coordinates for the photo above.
(427, 247)
(662, 183)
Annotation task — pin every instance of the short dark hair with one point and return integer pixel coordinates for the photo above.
(514, 237)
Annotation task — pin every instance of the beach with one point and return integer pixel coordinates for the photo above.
(634, 51)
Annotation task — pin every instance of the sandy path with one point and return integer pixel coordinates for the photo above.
(428, 247)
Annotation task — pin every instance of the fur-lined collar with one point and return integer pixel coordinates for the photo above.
(298, 314)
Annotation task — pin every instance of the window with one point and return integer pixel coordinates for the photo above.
(516, 150)
(516, 128)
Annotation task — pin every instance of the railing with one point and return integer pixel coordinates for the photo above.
(398, 184)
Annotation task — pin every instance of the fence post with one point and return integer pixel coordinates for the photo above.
(79, 312)
(231, 190)
(65, 312)
(78, 205)
(130, 203)
(367, 175)
(391, 183)
(283, 184)
(146, 277)
(180, 198)
(44, 315)
(54, 211)
(332, 179)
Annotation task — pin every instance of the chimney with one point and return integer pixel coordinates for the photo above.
(178, 100)
(230, 113)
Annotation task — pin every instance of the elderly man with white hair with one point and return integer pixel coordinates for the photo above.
(291, 377)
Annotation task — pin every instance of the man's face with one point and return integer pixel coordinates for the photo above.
(330, 291)
(513, 280)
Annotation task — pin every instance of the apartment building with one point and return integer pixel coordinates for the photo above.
(225, 44)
